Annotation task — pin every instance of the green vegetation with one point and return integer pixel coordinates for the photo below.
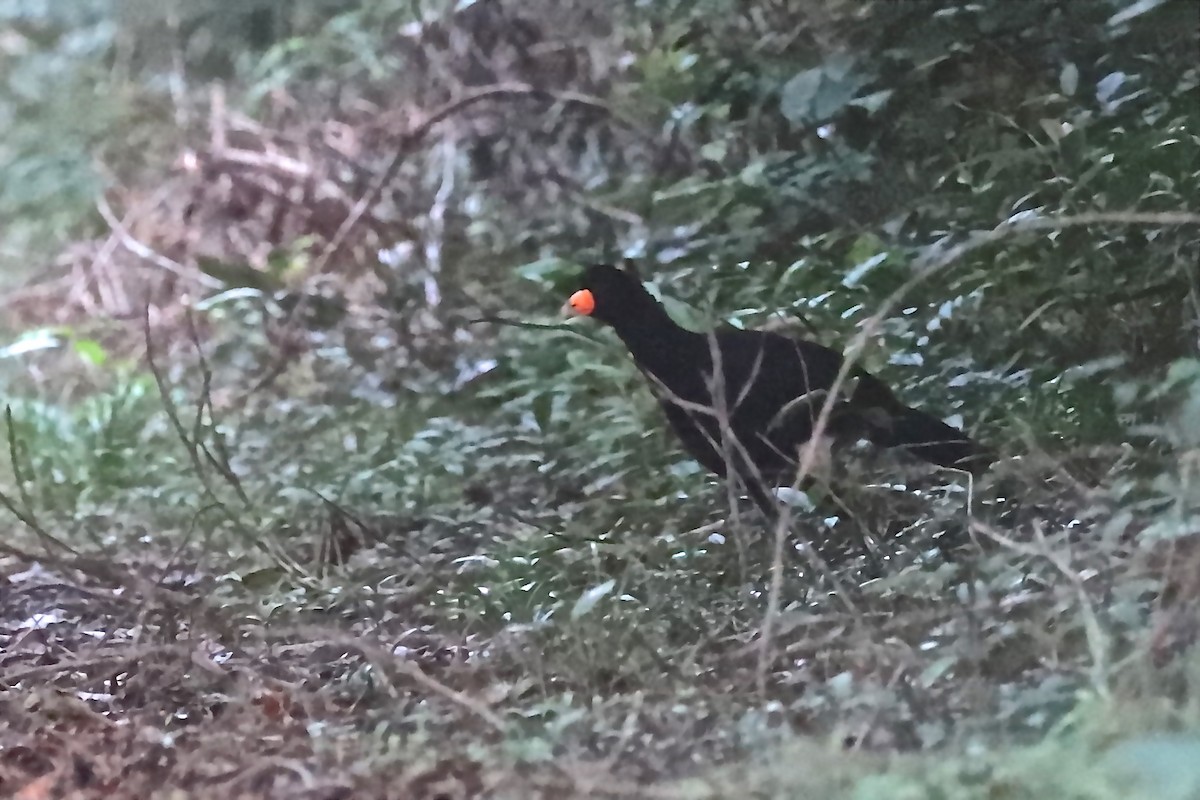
(311, 493)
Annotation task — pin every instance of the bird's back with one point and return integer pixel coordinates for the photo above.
(772, 389)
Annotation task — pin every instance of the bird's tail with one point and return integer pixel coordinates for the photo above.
(930, 439)
(890, 423)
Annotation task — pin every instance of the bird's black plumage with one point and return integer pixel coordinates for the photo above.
(771, 389)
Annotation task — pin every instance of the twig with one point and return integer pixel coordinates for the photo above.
(25, 515)
(516, 323)
(142, 251)
(934, 262)
(411, 138)
(1097, 640)
(128, 654)
(383, 660)
(199, 454)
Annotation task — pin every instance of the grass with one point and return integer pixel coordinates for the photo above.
(326, 599)
(338, 538)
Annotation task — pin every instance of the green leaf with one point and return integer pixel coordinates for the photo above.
(1109, 85)
(1183, 370)
(265, 578)
(33, 341)
(934, 672)
(817, 94)
(686, 315)
(714, 151)
(873, 102)
(795, 498)
(587, 601)
(1068, 79)
(236, 275)
(545, 271)
(543, 410)
(855, 276)
(1163, 766)
(1133, 11)
(90, 351)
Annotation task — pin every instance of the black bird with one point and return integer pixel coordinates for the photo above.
(771, 391)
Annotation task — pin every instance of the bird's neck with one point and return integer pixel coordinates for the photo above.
(656, 342)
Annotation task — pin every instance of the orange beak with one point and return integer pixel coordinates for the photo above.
(582, 303)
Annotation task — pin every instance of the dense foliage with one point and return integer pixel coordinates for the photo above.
(287, 347)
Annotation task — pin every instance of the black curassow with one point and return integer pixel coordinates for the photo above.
(774, 389)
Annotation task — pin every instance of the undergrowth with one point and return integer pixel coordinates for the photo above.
(312, 493)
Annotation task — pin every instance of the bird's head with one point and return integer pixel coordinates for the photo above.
(607, 293)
